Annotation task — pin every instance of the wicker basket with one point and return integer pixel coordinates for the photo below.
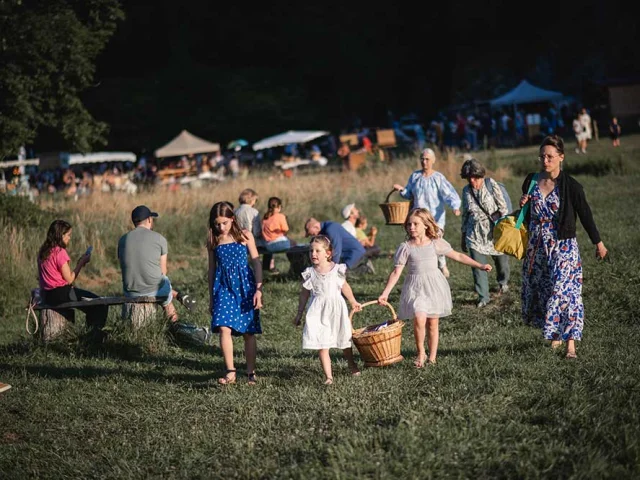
(381, 347)
(395, 213)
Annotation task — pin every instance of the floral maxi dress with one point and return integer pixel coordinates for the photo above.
(552, 274)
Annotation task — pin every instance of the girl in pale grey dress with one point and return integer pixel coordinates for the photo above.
(426, 295)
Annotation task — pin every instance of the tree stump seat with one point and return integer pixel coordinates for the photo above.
(55, 320)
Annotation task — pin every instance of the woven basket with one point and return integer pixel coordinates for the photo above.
(395, 213)
(382, 347)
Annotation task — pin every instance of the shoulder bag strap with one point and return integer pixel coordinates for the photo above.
(473, 194)
(523, 210)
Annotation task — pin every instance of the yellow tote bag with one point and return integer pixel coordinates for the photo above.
(510, 235)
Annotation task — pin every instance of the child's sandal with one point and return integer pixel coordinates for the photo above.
(251, 378)
(227, 380)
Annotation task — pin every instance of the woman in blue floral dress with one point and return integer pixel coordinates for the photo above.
(235, 292)
(552, 268)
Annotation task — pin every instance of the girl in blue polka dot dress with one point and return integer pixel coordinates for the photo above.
(235, 290)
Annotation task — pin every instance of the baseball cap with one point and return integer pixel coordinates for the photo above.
(142, 212)
(346, 211)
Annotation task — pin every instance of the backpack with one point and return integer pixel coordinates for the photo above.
(505, 194)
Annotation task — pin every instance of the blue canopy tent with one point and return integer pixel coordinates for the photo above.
(525, 93)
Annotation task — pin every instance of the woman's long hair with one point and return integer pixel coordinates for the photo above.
(274, 202)
(432, 230)
(54, 238)
(223, 209)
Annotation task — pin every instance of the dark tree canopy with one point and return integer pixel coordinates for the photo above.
(48, 50)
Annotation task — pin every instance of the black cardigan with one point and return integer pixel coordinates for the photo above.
(569, 188)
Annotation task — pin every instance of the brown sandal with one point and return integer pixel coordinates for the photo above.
(227, 380)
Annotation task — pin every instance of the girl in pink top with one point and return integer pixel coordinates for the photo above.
(57, 278)
(274, 232)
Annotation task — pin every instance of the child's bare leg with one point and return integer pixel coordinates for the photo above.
(419, 328)
(325, 361)
(348, 355)
(250, 347)
(226, 345)
(432, 340)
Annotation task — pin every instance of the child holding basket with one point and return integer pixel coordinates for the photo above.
(426, 295)
(327, 322)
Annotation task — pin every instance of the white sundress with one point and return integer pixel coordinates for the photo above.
(425, 288)
(327, 322)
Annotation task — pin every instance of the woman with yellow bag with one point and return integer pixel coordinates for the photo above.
(552, 268)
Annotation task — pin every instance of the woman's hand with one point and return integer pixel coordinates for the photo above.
(257, 300)
(486, 267)
(356, 306)
(601, 250)
(398, 187)
(382, 300)
(524, 199)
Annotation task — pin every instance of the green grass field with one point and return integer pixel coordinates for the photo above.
(499, 403)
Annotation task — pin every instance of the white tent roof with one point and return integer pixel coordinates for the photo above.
(19, 163)
(299, 136)
(186, 144)
(526, 93)
(99, 157)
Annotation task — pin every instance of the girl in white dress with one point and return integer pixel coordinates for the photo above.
(426, 295)
(327, 323)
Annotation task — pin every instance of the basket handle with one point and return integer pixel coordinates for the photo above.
(375, 302)
(387, 199)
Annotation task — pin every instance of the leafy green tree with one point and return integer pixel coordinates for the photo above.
(48, 50)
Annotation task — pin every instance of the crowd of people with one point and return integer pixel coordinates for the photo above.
(551, 291)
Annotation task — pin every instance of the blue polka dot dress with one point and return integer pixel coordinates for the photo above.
(233, 290)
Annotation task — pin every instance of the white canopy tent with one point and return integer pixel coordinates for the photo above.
(19, 163)
(186, 144)
(292, 136)
(525, 93)
(99, 157)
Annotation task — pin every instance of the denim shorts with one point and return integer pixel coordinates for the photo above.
(165, 290)
(280, 244)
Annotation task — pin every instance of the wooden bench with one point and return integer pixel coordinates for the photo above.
(298, 257)
(137, 310)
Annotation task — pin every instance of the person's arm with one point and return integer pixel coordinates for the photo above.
(284, 226)
(257, 267)
(498, 196)
(163, 264)
(467, 260)
(586, 218)
(69, 275)
(348, 293)
(450, 196)
(212, 266)
(394, 276)
(466, 217)
(406, 191)
(302, 303)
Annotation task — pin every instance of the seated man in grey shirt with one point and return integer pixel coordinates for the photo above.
(143, 260)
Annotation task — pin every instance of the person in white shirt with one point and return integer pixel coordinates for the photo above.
(350, 213)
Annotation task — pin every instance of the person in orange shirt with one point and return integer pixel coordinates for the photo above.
(274, 232)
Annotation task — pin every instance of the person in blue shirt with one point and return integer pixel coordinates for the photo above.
(430, 189)
(346, 248)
